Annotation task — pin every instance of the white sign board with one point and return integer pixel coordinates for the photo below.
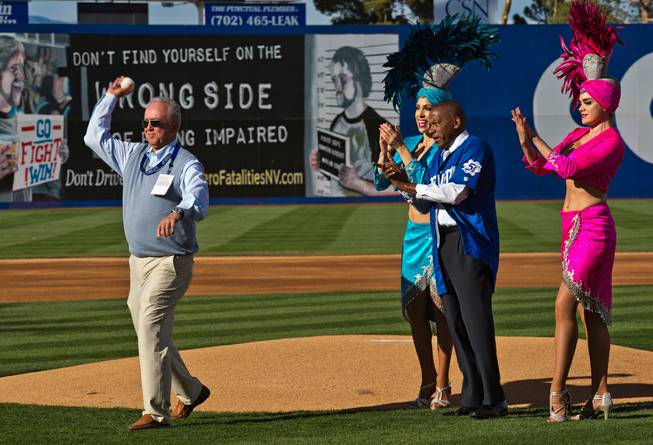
(37, 149)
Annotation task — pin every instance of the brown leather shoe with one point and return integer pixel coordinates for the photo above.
(181, 411)
(146, 422)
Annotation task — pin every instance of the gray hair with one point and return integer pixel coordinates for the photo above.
(174, 110)
(8, 47)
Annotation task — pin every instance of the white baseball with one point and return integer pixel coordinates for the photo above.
(127, 84)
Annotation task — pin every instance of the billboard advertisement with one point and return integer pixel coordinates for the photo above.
(258, 14)
(241, 100)
(344, 87)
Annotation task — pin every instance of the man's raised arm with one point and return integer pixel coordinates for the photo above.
(112, 151)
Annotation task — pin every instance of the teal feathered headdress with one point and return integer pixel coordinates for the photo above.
(434, 54)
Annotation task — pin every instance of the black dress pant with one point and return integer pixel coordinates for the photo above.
(468, 308)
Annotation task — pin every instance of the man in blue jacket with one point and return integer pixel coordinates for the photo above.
(460, 197)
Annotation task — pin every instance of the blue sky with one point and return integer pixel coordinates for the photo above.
(181, 14)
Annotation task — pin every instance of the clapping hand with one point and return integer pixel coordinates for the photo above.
(524, 131)
(391, 135)
(393, 171)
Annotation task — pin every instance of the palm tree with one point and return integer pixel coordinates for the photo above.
(506, 11)
(644, 8)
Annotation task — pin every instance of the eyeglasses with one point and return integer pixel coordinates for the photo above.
(156, 123)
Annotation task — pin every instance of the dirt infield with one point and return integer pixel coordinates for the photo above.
(323, 373)
(99, 278)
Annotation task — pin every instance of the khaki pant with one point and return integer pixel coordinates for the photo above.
(156, 286)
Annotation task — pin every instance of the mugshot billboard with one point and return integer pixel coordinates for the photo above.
(344, 108)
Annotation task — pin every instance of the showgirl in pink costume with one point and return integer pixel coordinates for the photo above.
(587, 159)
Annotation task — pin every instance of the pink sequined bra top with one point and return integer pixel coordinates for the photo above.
(592, 163)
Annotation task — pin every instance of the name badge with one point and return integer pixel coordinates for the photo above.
(162, 185)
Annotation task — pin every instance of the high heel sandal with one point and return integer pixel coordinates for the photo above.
(438, 401)
(424, 402)
(559, 412)
(596, 405)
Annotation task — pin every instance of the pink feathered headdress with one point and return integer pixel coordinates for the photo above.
(589, 50)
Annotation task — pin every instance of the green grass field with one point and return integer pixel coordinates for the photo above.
(297, 230)
(35, 425)
(39, 336)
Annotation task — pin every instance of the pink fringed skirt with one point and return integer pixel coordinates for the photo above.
(589, 239)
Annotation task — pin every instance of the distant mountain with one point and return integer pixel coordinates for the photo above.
(38, 20)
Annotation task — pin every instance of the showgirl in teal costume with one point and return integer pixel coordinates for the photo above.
(417, 261)
(419, 301)
(431, 57)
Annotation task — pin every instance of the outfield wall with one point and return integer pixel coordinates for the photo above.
(253, 102)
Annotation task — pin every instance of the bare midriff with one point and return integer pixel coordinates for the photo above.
(580, 196)
(416, 217)
(413, 214)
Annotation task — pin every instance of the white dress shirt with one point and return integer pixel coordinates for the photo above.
(449, 193)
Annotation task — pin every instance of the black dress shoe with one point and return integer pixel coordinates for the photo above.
(491, 412)
(462, 411)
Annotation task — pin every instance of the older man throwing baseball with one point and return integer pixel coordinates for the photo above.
(164, 194)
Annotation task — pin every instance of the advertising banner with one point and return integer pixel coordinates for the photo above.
(256, 15)
(35, 102)
(241, 101)
(13, 13)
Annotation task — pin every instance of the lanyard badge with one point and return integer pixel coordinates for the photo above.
(162, 185)
(164, 181)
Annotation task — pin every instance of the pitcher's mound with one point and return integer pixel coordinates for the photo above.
(326, 373)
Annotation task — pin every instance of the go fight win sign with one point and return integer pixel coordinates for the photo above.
(39, 140)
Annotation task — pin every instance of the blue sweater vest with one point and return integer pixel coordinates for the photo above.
(142, 211)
